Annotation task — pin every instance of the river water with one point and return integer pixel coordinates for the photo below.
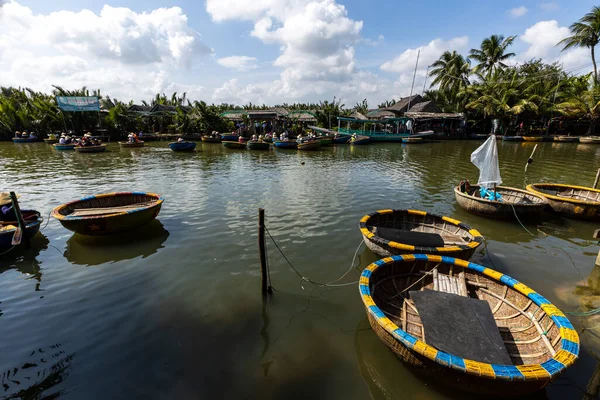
(174, 310)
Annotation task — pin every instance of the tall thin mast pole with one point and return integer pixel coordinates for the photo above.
(426, 76)
(413, 81)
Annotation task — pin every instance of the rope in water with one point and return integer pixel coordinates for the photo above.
(320, 284)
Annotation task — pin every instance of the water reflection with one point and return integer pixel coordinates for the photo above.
(142, 242)
(38, 377)
(26, 260)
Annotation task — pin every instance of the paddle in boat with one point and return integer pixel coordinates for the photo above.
(10, 233)
(390, 232)
(182, 146)
(258, 145)
(571, 201)
(566, 139)
(90, 149)
(109, 213)
(590, 139)
(234, 145)
(490, 200)
(358, 140)
(309, 145)
(467, 326)
(285, 144)
(61, 147)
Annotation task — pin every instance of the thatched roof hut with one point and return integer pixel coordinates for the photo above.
(401, 105)
(358, 115)
(303, 116)
(425, 106)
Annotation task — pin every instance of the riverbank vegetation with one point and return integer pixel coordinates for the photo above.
(487, 84)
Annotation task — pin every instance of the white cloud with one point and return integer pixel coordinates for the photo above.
(239, 63)
(405, 62)
(542, 39)
(517, 11)
(550, 6)
(316, 38)
(115, 50)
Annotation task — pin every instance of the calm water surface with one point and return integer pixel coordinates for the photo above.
(174, 311)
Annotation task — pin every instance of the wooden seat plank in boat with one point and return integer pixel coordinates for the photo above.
(106, 210)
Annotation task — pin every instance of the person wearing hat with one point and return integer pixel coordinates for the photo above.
(63, 139)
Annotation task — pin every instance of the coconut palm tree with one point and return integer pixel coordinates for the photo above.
(451, 72)
(585, 33)
(585, 105)
(492, 54)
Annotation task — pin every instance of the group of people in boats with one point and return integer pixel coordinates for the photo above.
(133, 138)
(86, 141)
(25, 134)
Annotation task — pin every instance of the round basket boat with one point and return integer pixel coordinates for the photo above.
(182, 146)
(109, 213)
(33, 220)
(514, 201)
(139, 143)
(571, 201)
(62, 147)
(211, 139)
(91, 149)
(590, 139)
(534, 337)
(390, 232)
(51, 141)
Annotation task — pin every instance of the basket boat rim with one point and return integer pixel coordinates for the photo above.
(533, 188)
(486, 201)
(474, 243)
(563, 358)
(56, 211)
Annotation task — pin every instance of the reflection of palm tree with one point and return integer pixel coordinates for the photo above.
(44, 377)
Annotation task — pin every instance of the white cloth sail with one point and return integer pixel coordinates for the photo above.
(486, 159)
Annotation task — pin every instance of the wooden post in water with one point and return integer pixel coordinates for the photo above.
(264, 273)
(22, 224)
(597, 177)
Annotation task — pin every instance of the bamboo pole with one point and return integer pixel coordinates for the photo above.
(264, 273)
(597, 177)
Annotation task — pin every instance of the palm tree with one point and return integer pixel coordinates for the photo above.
(492, 54)
(585, 105)
(585, 33)
(451, 72)
(362, 107)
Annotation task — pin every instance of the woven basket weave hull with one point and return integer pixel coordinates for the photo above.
(570, 201)
(453, 378)
(503, 209)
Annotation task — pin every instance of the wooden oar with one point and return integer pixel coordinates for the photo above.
(16, 240)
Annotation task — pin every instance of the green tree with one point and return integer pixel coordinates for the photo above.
(451, 72)
(585, 33)
(492, 54)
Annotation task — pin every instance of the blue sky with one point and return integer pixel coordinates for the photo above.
(270, 51)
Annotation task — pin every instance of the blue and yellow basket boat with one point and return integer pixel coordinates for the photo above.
(540, 341)
(109, 213)
(392, 232)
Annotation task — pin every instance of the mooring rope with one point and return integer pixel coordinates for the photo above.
(320, 284)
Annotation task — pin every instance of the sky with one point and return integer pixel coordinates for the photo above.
(265, 51)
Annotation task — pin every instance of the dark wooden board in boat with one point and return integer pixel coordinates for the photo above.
(421, 239)
(460, 325)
